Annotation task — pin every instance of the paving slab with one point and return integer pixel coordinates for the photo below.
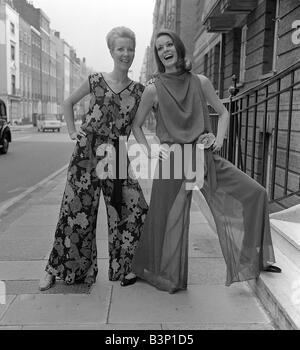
(142, 303)
(31, 287)
(102, 248)
(54, 199)
(46, 215)
(19, 287)
(29, 232)
(8, 301)
(56, 309)
(200, 247)
(197, 217)
(224, 327)
(206, 271)
(21, 270)
(97, 326)
(201, 230)
(23, 249)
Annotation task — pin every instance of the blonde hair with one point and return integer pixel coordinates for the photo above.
(119, 32)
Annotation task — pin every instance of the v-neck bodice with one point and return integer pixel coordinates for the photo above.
(112, 90)
(111, 114)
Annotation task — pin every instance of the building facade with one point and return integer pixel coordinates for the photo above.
(252, 41)
(178, 16)
(25, 71)
(145, 66)
(36, 67)
(44, 26)
(59, 81)
(67, 70)
(53, 75)
(10, 61)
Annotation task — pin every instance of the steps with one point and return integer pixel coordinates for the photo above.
(280, 293)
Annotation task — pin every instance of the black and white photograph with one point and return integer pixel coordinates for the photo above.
(149, 168)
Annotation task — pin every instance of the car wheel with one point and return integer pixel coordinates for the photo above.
(5, 145)
(43, 130)
(58, 130)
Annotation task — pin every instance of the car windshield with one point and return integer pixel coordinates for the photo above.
(50, 117)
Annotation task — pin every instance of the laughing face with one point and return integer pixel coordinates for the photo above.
(123, 53)
(167, 53)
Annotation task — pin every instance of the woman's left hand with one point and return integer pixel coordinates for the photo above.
(217, 146)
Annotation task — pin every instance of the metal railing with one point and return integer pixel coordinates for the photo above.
(264, 135)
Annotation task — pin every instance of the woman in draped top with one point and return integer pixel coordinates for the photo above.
(239, 205)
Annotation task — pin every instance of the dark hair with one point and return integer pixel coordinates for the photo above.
(183, 64)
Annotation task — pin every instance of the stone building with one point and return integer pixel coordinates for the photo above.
(178, 16)
(252, 40)
(25, 70)
(10, 61)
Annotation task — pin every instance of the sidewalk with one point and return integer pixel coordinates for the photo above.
(26, 237)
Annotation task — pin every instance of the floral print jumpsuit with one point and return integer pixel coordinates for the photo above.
(74, 254)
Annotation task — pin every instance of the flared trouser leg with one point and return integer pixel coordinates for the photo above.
(74, 254)
(124, 225)
(241, 213)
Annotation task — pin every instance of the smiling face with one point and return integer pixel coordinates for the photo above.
(123, 53)
(167, 53)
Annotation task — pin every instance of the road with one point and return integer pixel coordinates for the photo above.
(32, 157)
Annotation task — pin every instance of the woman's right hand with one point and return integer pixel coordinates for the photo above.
(74, 135)
(161, 153)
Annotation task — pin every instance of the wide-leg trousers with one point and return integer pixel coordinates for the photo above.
(74, 254)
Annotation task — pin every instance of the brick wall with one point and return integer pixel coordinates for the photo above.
(259, 62)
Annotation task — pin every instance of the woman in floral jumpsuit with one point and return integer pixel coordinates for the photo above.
(114, 102)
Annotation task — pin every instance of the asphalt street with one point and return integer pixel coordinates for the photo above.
(32, 157)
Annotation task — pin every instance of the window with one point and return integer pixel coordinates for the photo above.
(13, 52)
(243, 53)
(12, 28)
(13, 84)
(271, 36)
(276, 28)
(206, 65)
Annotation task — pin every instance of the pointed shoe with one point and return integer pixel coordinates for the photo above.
(47, 282)
(272, 268)
(128, 281)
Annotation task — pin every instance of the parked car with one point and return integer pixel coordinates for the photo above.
(48, 122)
(5, 135)
(5, 132)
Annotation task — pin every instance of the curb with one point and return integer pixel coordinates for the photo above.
(21, 196)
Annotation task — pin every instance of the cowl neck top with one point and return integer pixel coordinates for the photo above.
(182, 114)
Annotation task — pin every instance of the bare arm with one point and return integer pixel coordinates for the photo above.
(69, 104)
(146, 104)
(214, 100)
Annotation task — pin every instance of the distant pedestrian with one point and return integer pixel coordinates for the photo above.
(238, 203)
(114, 102)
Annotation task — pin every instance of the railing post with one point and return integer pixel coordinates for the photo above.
(233, 90)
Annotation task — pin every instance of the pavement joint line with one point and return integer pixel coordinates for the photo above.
(21, 196)
(7, 307)
(109, 306)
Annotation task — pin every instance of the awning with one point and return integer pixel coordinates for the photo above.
(224, 15)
